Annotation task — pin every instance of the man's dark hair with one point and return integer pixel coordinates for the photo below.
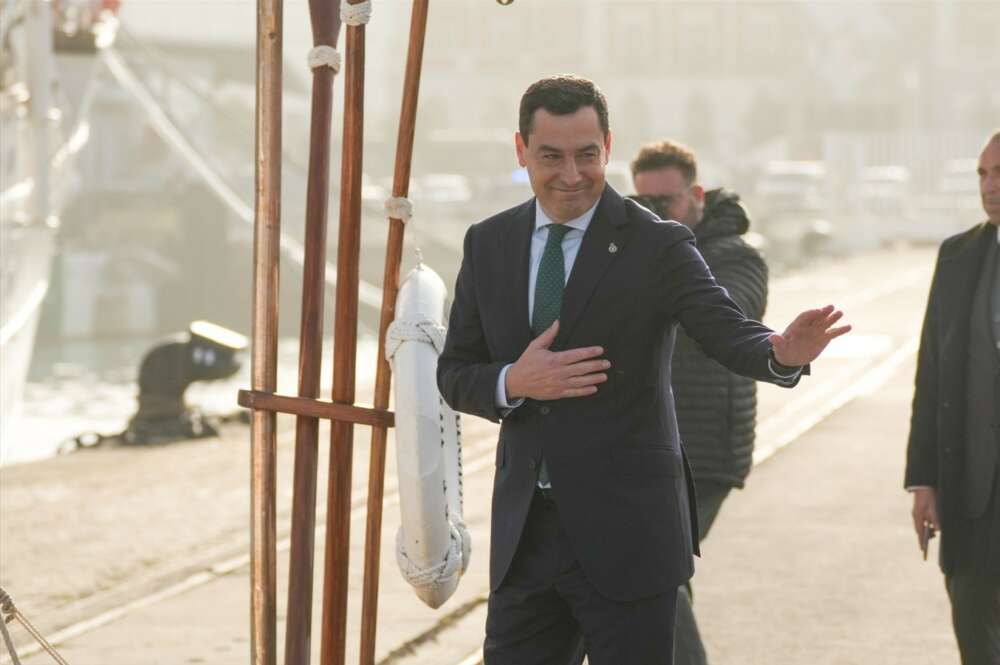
(562, 94)
(666, 154)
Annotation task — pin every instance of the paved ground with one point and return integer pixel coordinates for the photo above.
(812, 563)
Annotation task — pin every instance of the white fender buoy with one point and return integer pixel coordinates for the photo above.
(432, 544)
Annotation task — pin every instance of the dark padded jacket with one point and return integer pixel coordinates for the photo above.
(716, 409)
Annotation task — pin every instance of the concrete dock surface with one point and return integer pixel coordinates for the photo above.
(138, 556)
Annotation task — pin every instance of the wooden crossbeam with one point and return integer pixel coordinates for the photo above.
(316, 408)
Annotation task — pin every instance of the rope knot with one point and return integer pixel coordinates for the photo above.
(425, 331)
(356, 15)
(324, 56)
(399, 207)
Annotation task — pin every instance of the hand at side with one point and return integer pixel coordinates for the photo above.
(925, 511)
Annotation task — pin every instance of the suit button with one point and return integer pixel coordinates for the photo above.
(545, 410)
(532, 464)
(947, 451)
(945, 405)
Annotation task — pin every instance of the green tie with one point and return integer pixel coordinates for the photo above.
(549, 285)
(550, 281)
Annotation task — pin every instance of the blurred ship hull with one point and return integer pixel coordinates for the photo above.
(38, 173)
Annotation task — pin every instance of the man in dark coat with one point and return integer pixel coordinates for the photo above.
(716, 409)
(953, 457)
(562, 326)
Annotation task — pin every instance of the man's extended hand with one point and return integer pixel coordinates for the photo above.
(545, 375)
(925, 511)
(806, 337)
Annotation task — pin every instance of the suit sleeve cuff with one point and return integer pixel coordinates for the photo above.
(501, 393)
(784, 374)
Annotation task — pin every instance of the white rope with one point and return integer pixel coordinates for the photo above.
(399, 207)
(455, 561)
(355, 15)
(324, 56)
(426, 331)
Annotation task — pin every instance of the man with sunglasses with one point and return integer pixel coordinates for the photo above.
(716, 409)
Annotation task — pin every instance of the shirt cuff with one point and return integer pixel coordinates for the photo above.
(783, 375)
(914, 488)
(501, 393)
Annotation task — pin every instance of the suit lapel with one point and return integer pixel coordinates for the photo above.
(602, 244)
(518, 257)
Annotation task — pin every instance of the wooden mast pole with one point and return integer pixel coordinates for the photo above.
(325, 20)
(267, 232)
(390, 288)
(338, 533)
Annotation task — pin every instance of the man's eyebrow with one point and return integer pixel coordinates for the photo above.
(548, 148)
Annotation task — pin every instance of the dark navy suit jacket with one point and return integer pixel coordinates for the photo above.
(619, 477)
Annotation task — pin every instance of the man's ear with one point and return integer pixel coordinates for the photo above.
(607, 147)
(521, 147)
(699, 194)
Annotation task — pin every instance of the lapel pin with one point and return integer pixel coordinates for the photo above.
(612, 248)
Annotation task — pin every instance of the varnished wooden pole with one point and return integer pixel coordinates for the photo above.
(338, 532)
(325, 19)
(264, 370)
(390, 288)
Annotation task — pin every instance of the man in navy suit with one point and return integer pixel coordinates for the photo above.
(562, 327)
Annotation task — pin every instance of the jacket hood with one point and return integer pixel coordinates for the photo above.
(724, 216)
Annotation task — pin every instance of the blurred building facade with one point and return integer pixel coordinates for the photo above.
(725, 76)
(904, 83)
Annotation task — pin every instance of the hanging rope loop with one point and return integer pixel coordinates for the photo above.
(355, 15)
(324, 56)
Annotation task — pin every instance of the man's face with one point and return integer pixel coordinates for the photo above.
(679, 200)
(989, 180)
(565, 156)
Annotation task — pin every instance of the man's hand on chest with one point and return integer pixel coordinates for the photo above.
(542, 374)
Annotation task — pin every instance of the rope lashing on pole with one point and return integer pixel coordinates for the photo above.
(355, 15)
(324, 56)
(8, 613)
(399, 207)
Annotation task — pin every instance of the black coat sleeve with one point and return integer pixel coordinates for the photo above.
(922, 451)
(466, 374)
